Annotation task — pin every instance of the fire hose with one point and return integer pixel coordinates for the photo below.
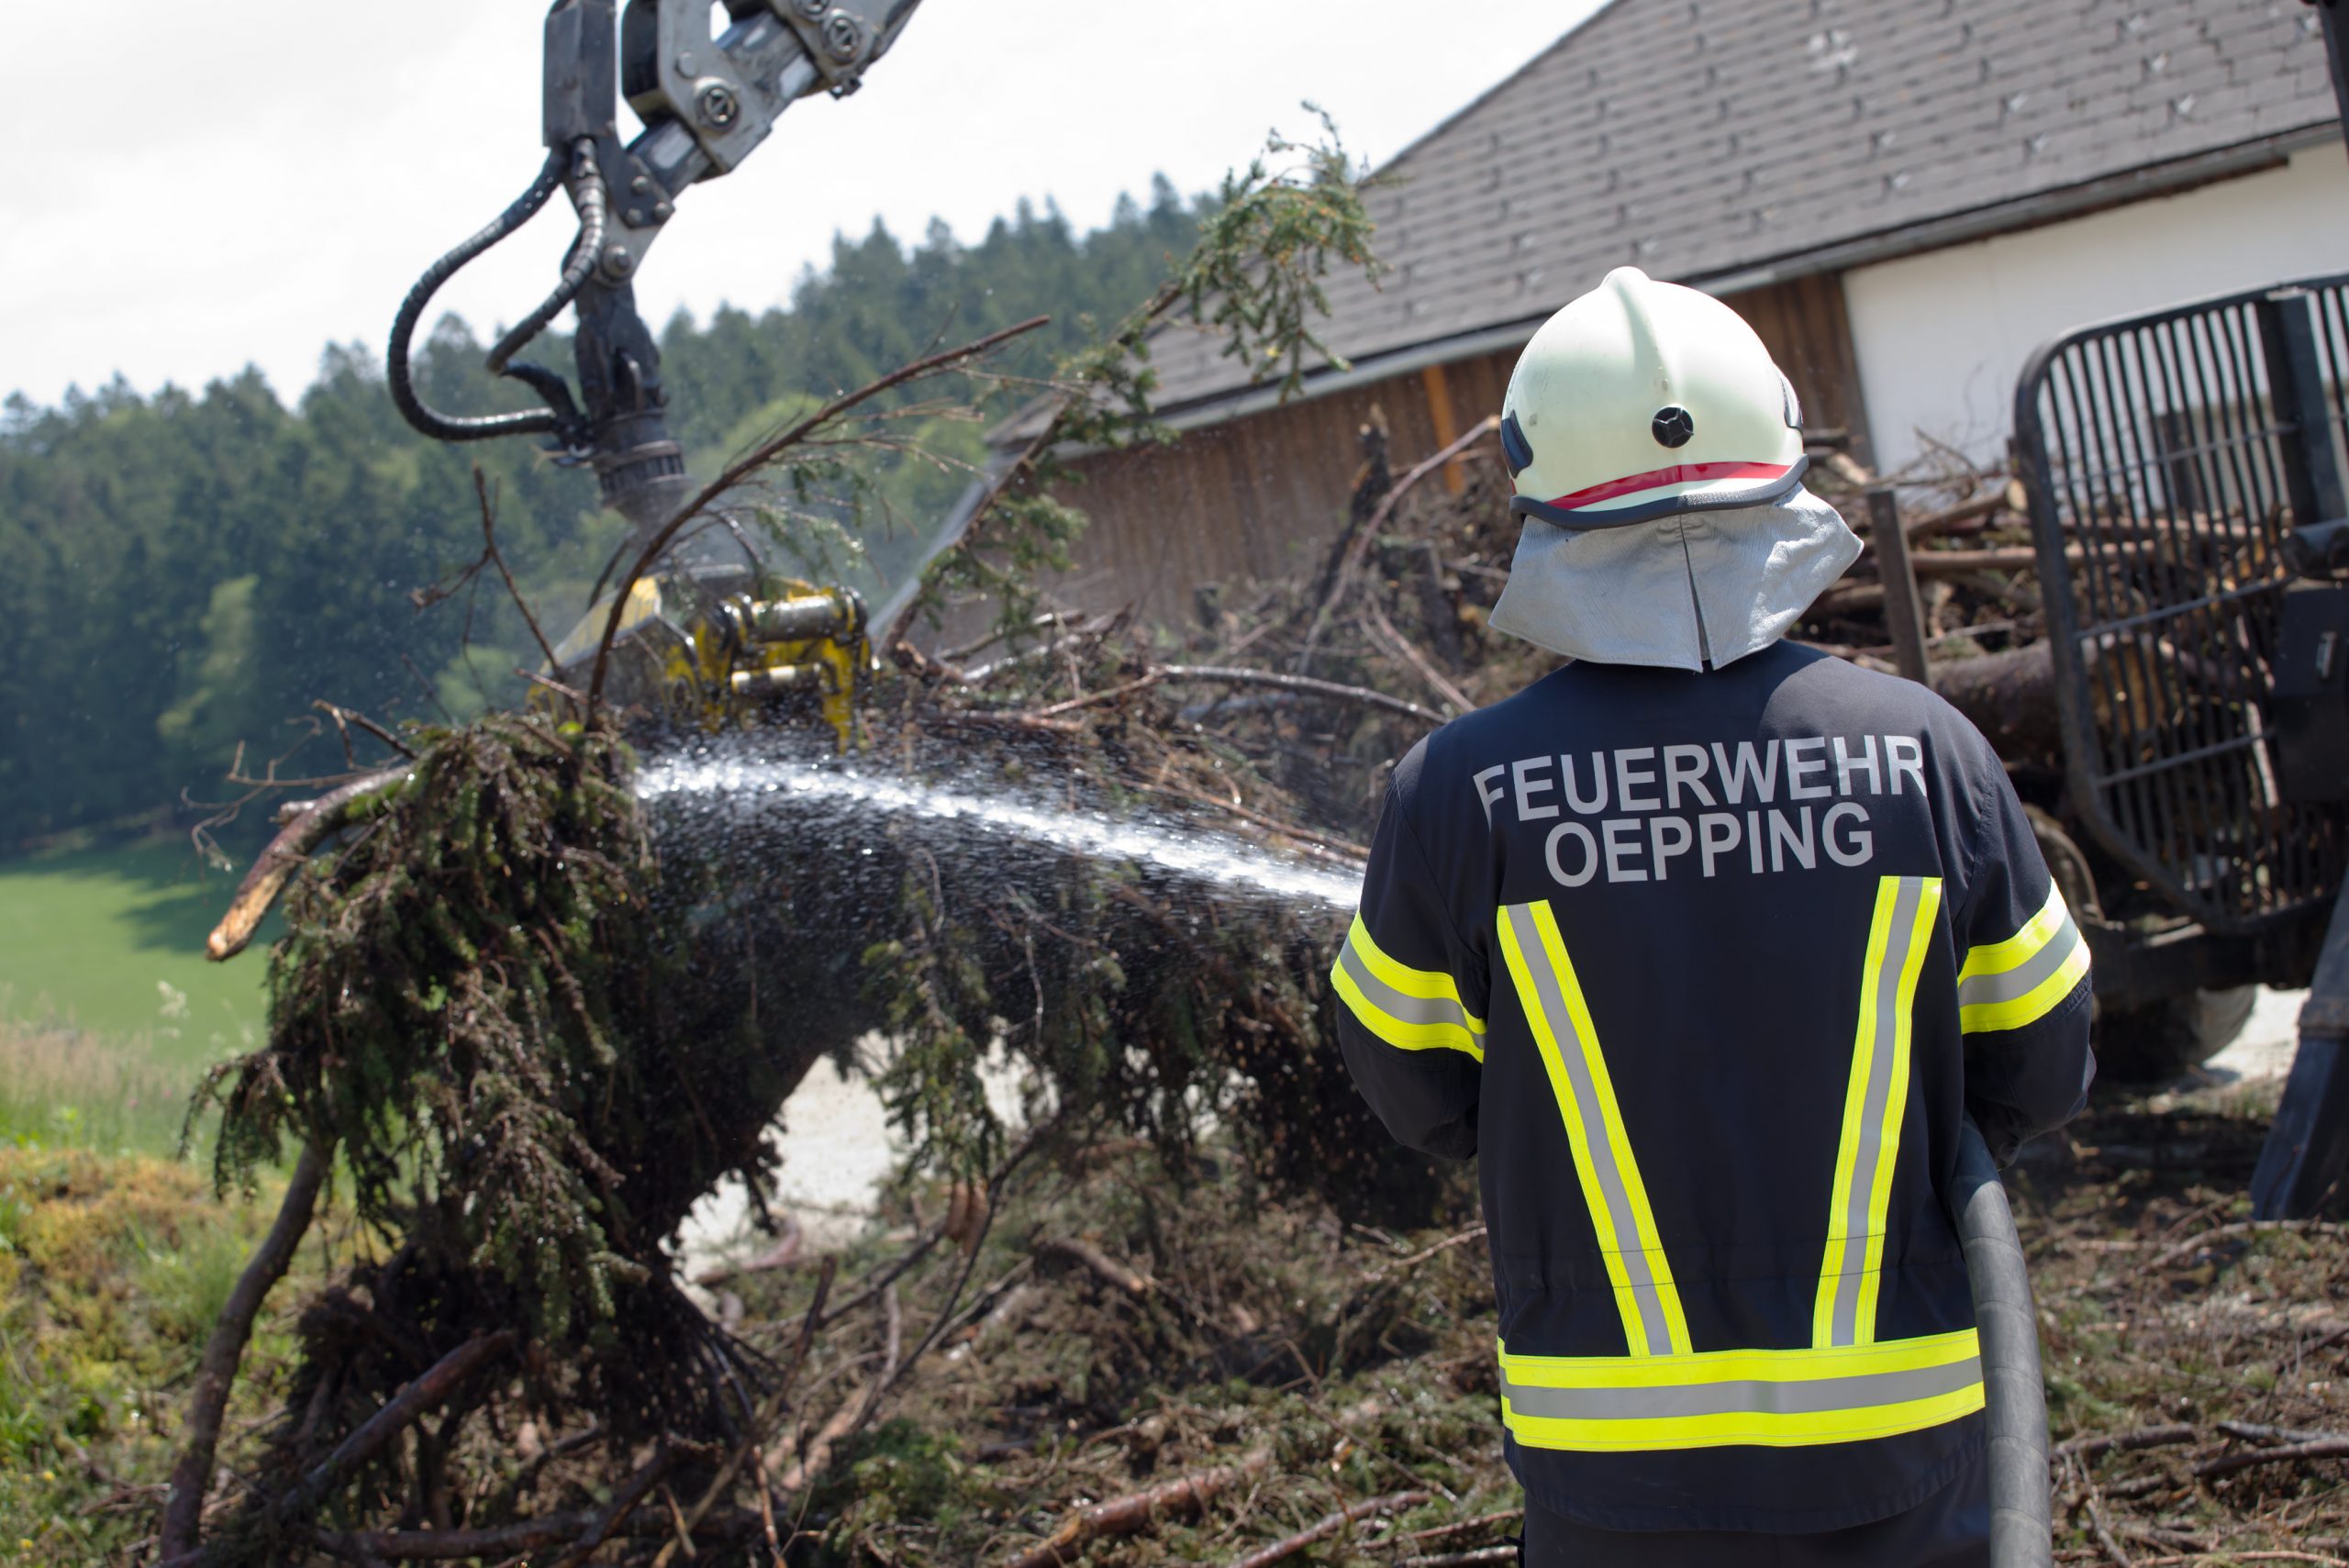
(2021, 1535)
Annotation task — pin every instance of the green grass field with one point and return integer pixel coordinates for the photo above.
(111, 941)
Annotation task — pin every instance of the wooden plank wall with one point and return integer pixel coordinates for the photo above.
(1803, 324)
(1265, 495)
(1260, 496)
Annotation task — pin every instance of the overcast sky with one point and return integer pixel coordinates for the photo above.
(204, 185)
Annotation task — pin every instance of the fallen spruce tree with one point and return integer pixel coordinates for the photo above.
(532, 1017)
(527, 1013)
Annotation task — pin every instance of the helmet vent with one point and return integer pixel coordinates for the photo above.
(1673, 427)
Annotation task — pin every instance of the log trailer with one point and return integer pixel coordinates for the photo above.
(2184, 469)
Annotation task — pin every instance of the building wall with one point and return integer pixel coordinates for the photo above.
(1265, 495)
(1942, 337)
(1804, 325)
(1260, 496)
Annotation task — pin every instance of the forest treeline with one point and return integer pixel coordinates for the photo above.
(185, 571)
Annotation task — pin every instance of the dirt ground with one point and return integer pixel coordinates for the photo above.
(1240, 1372)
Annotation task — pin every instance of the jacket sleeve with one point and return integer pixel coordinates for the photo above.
(2022, 982)
(1413, 1033)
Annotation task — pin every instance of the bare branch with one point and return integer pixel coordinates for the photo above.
(1307, 684)
(1352, 563)
(215, 1373)
(1119, 1275)
(1330, 1525)
(630, 1495)
(284, 856)
(498, 559)
(769, 1408)
(1184, 1495)
(352, 715)
(2331, 1445)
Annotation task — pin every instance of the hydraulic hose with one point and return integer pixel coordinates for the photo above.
(426, 421)
(587, 191)
(2021, 1535)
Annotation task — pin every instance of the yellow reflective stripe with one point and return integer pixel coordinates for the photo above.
(1876, 1102)
(1429, 984)
(1835, 1264)
(1763, 1429)
(1777, 1398)
(1411, 1009)
(2007, 985)
(1894, 1107)
(1404, 1034)
(1997, 958)
(2013, 1013)
(1625, 1226)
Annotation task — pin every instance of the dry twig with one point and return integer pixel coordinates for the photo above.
(1184, 1495)
(769, 1408)
(2194, 1244)
(1359, 546)
(2331, 1445)
(1119, 1275)
(1326, 1526)
(631, 1494)
(2086, 1448)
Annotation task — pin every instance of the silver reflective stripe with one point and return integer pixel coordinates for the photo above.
(1878, 1132)
(1401, 1005)
(1802, 1396)
(2015, 984)
(1637, 1268)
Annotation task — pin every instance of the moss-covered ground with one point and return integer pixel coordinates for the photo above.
(112, 1270)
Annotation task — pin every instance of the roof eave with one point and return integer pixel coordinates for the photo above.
(1885, 245)
(2140, 183)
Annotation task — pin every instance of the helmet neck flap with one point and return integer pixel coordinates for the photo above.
(1696, 590)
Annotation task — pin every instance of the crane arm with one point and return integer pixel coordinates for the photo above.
(705, 104)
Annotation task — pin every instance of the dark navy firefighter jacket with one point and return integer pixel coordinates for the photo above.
(1704, 969)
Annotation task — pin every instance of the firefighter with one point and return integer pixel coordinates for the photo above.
(1702, 946)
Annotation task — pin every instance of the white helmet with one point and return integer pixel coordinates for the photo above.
(1641, 400)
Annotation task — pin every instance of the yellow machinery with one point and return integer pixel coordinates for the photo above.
(790, 654)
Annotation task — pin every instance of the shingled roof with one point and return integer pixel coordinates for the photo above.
(1736, 141)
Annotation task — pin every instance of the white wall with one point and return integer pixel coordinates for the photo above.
(1941, 337)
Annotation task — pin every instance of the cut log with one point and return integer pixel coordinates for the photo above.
(2011, 697)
